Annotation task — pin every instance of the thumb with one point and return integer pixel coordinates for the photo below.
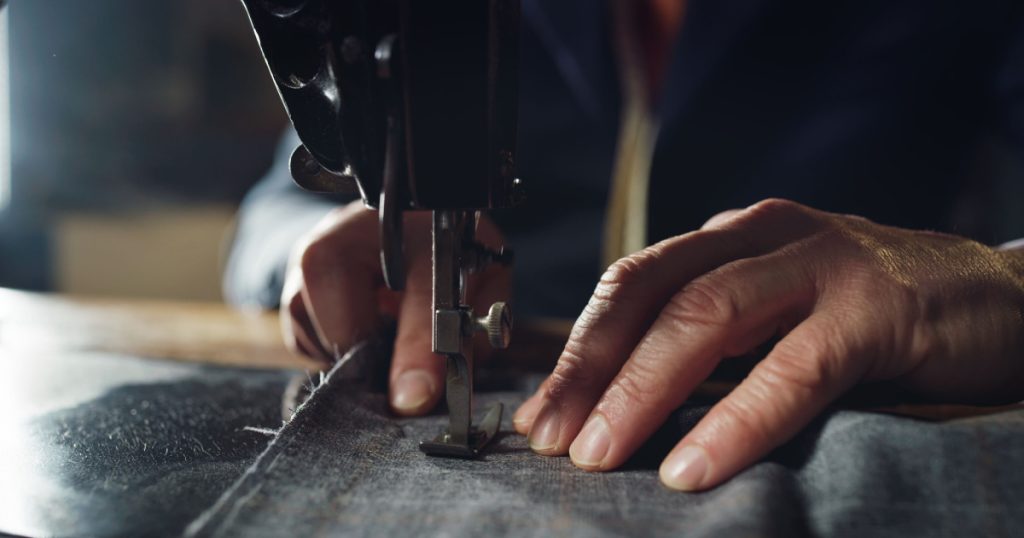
(417, 374)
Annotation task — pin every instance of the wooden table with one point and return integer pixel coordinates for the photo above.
(211, 333)
(214, 333)
(196, 332)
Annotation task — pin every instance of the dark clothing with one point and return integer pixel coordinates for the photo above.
(879, 108)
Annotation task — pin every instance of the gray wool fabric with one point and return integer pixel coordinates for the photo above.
(344, 466)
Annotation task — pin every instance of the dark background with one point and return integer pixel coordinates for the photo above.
(120, 108)
(136, 127)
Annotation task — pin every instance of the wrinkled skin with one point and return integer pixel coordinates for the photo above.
(852, 301)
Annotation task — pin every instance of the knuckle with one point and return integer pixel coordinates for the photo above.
(572, 370)
(775, 206)
(857, 220)
(641, 383)
(705, 301)
(776, 214)
(804, 364)
(633, 267)
(588, 319)
(787, 375)
(720, 218)
(747, 417)
(624, 271)
(602, 305)
(619, 279)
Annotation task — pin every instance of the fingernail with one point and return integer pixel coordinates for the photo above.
(685, 469)
(591, 446)
(544, 433)
(412, 390)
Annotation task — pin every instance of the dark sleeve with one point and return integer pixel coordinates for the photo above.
(272, 217)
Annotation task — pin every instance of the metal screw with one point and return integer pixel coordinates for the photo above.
(497, 324)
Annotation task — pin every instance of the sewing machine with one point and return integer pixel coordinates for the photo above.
(412, 106)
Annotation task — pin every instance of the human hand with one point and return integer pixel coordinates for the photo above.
(334, 293)
(856, 301)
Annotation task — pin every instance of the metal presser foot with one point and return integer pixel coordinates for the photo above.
(462, 439)
(456, 253)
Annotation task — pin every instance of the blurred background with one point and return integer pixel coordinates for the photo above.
(133, 129)
(129, 132)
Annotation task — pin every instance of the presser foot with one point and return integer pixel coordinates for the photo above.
(444, 445)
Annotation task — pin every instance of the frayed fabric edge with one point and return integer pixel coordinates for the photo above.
(219, 516)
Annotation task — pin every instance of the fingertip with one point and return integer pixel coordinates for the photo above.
(522, 426)
(414, 392)
(589, 451)
(546, 431)
(778, 398)
(525, 415)
(687, 468)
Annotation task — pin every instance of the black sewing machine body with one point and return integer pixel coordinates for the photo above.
(445, 73)
(413, 105)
